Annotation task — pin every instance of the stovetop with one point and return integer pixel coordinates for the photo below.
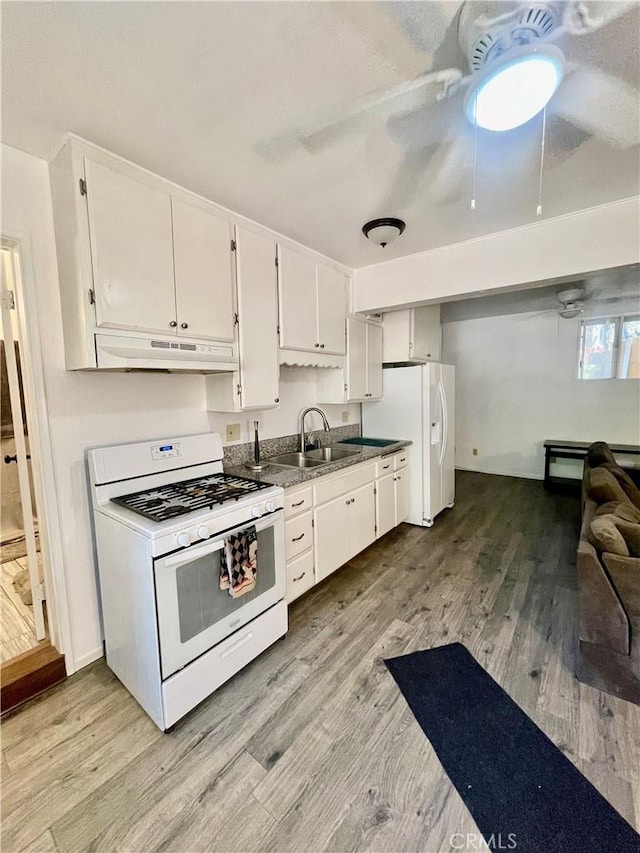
(188, 496)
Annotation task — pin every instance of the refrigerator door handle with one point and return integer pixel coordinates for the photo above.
(445, 420)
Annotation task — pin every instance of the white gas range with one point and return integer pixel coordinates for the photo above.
(162, 512)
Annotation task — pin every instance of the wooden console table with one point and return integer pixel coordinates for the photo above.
(575, 450)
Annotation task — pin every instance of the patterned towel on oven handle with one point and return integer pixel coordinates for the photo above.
(239, 562)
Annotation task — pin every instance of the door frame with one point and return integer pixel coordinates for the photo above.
(35, 394)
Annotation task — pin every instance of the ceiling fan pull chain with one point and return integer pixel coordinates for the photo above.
(544, 134)
(475, 145)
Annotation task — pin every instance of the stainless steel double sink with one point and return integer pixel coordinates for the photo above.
(313, 458)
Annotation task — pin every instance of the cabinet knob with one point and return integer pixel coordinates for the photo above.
(184, 325)
(173, 324)
(321, 346)
(316, 345)
(276, 399)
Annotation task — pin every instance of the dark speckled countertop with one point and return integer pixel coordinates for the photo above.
(277, 475)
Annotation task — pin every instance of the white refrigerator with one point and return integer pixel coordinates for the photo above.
(418, 405)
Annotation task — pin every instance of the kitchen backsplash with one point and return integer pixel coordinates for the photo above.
(236, 454)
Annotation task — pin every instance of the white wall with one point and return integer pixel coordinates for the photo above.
(567, 246)
(516, 386)
(87, 409)
(297, 391)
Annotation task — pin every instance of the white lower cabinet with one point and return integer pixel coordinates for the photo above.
(329, 521)
(392, 492)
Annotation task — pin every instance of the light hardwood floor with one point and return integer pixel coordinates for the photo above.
(17, 625)
(312, 746)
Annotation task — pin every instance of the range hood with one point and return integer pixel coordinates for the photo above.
(117, 352)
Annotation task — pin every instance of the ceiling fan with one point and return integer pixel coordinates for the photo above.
(521, 58)
(573, 300)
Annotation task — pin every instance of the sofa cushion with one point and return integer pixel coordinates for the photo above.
(602, 486)
(629, 487)
(631, 535)
(605, 536)
(623, 509)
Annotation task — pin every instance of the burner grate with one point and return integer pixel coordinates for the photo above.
(177, 499)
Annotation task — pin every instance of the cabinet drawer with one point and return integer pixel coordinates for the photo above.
(300, 576)
(298, 535)
(385, 466)
(400, 460)
(297, 501)
(342, 483)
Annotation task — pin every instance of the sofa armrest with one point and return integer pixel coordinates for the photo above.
(625, 576)
(603, 620)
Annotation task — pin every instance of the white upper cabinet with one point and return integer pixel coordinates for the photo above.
(131, 252)
(361, 380)
(258, 319)
(374, 360)
(357, 364)
(255, 384)
(412, 335)
(203, 273)
(312, 304)
(331, 309)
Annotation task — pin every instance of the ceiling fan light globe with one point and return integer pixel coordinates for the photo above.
(513, 89)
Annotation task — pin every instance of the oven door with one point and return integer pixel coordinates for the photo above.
(194, 613)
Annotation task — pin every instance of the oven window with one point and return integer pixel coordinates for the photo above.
(201, 602)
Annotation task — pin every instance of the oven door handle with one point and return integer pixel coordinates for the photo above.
(210, 546)
(189, 554)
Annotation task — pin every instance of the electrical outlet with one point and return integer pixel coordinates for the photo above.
(233, 432)
(345, 417)
(475, 451)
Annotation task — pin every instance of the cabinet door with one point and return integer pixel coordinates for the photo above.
(402, 495)
(332, 535)
(258, 319)
(425, 333)
(356, 359)
(131, 252)
(331, 310)
(204, 273)
(374, 361)
(361, 519)
(385, 504)
(298, 309)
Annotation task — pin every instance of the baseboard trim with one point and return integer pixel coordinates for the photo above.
(29, 674)
(519, 474)
(88, 657)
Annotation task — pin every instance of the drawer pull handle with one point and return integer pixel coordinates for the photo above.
(234, 648)
(299, 503)
(297, 538)
(299, 578)
(404, 459)
(384, 467)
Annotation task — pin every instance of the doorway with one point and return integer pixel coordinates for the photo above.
(22, 587)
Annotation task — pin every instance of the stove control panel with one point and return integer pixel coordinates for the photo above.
(166, 451)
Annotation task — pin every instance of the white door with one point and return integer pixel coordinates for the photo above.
(258, 319)
(374, 361)
(331, 523)
(447, 373)
(356, 359)
(385, 504)
(21, 450)
(331, 310)
(131, 252)
(361, 519)
(402, 495)
(297, 292)
(203, 273)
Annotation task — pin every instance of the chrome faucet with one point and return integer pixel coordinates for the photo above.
(325, 424)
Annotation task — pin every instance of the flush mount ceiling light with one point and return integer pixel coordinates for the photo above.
(515, 87)
(383, 231)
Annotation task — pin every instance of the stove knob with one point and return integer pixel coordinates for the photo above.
(203, 532)
(269, 506)
(256, 511)
(183, 539)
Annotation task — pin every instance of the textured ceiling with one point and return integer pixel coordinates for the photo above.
(211, 95)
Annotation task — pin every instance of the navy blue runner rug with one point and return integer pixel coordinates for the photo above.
(522, 792)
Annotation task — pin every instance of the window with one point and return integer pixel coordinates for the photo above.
(610, 348)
